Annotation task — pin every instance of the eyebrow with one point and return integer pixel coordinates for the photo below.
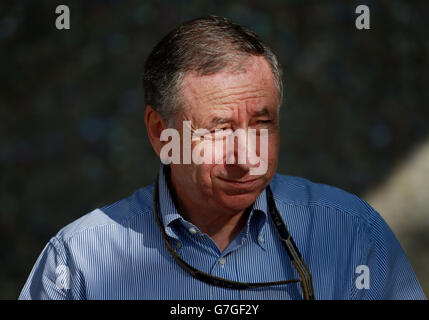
(218, 120)
(262, 112)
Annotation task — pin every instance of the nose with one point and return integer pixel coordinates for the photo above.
(241, 152)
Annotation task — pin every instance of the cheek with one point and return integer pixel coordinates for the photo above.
(274, 146)
(273, 152)
(212, 151)
(220, 152)
(194, 179)
(201, 177)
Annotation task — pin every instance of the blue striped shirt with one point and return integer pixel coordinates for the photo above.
(117, 252)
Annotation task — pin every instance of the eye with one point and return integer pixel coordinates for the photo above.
(224, 128)
(220, 133)
(262, 122)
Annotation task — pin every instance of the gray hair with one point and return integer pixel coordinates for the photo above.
(205, 46)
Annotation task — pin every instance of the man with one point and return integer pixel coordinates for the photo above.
(214, 229)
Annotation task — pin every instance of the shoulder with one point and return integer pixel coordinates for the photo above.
(297, 191)
(139, 204)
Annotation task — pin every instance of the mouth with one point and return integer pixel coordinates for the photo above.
(240, 183)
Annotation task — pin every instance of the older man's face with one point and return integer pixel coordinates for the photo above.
(225, 100)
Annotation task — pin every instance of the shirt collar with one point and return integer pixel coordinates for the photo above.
(256, 224)
(167, 208)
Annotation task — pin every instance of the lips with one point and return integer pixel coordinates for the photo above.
(238, 181)
(240, 184)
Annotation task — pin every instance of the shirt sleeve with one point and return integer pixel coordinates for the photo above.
(390, 275)
(53, 275)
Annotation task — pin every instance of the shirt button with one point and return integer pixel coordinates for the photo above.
(178, 244)
(222, 261)
(260, 240)
(192, 230)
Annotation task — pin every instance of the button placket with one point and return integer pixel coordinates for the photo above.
(262, 241)
(222, 261)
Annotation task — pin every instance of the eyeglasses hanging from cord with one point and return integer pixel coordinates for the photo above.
(285, 237)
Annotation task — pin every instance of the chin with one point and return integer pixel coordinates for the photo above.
(238, 196)
(238, 202)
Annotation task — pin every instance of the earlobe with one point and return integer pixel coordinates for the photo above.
(154, 126)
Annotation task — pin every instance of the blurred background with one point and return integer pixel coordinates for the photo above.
(72, 138)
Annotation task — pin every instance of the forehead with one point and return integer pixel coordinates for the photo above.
(252, 87)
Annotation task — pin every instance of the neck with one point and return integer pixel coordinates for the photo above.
(221, 226)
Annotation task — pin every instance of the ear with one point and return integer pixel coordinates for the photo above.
(154, 126)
